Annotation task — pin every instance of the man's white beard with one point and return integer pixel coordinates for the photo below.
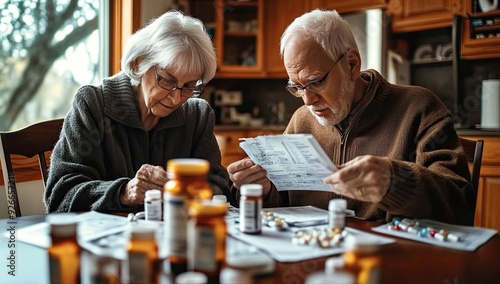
(342, 108)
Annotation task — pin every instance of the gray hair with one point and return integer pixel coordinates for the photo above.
(327, 28)
(172, 40)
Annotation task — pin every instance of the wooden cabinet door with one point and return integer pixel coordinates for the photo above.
(278, 14)
(488, 194)
(487, 211)
(480, 40)
(239, 37)
(410, 15)
(344, 6)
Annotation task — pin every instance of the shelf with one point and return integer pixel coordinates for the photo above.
(487, 28)
(431, 61)
(483, 15)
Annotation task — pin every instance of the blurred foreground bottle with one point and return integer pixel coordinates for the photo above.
(64, 251)
(187, 183)
(359, 260)
(207, 238)
(144, 264)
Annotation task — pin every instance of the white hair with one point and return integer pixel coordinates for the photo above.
(327, 28)
(172, 40)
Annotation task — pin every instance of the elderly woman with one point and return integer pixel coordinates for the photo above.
(118, 137)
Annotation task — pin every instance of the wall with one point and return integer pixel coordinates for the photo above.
(30, 197)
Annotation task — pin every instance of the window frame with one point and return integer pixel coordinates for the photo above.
(124, 19)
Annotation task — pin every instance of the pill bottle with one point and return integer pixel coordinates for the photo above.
(220, 198)
(100, 268)
(336, 213)
(250, 207)
(337, 277)
(64, 251)
(143, 262)
(187, 183)
(153, 205)
(360, 259)
(191, 277)
(207, 238)
(231, 276)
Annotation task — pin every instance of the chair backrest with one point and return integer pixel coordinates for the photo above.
(474, 152)
(36, 139)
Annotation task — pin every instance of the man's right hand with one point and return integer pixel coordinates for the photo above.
(245, 171)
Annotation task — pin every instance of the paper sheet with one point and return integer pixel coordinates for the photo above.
(278, 244)
(92, 225)
(292, 161)
(472, 237)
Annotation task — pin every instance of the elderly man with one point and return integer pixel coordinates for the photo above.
(396, 148)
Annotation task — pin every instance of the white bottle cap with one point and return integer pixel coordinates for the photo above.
(153, 193)
(232, 276)
(337, 204)
(191, 277)
(62, 224)
(143, 231)
(361, 244)
(251, 190)
(219, 198)
(337, 277)
(334, 264)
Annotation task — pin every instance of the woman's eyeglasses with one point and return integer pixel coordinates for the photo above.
(187, 92)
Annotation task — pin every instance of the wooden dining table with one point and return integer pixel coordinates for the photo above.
(403, 261)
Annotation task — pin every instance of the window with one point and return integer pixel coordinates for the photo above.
(48, 49)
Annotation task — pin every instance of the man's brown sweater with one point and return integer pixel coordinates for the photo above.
(413, 129)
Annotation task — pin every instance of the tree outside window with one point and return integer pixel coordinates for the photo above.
(48, 49)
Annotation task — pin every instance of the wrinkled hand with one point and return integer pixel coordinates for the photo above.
(365, 178)
(245, 171)
(147, 177)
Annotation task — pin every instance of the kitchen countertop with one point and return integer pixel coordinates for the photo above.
(478, 132)
(228, 127)
(279, 128)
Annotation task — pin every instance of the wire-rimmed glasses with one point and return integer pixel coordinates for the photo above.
(315, 86)
(186, 92)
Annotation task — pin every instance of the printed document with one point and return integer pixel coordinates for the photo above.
(292, 161)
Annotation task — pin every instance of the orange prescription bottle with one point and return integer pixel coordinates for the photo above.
(64, 251)
(207, 238)
(142, 251)
(187, 183)
(360, 260)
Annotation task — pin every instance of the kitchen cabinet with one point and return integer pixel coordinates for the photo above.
(343, 6)
(488, 194)
(409, 15)
(239, 37)
(247, 33)
(278, 14)
(230, 145)
(480, 33)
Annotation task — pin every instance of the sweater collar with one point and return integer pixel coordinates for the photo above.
(121, 104)
(372, 101)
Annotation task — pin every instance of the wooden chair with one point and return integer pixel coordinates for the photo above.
(474, 152)
(36, 139)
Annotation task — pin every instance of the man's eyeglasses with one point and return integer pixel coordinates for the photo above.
(187, 92)
(315, 86)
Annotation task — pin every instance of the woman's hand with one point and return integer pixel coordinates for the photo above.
(147, 177)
